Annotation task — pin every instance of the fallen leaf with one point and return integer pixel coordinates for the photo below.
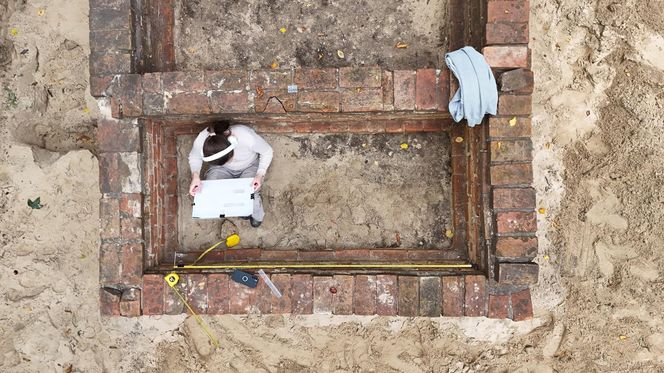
(546, 257)
(458, 139)
(401, 45)
(13, 31)
(86, 109)
(260, 91)
(274, 65)
(449, 234)
(404, 146)
(282, 30)
(541, 210)
(341, 54)
(41, 12)
(513, 122)
(622, 337)
(36, 204)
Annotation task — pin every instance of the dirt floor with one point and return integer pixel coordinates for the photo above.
(599, 169)
(214, 34)
(340, 191)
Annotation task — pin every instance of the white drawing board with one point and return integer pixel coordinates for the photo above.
(223, 198)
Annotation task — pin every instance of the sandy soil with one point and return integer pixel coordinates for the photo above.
(599, 167)
(341, 191)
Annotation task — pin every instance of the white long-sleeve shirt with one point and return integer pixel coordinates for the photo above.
(249, 147)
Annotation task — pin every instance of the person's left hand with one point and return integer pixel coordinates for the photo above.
(257, 182)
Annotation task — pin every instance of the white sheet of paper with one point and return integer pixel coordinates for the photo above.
(227, 197)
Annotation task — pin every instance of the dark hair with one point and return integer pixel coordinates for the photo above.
(218, 142)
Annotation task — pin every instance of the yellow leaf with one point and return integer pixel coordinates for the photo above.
(513, 122)
(86, 109)
(401, 45)
(622, 337)
(41, 12)
(546, 257)
(449, 234)
(341, 54)
(404, 146)
(541, 210)
(13, 31)
(458, 139)
(282, 30)
(274, 65)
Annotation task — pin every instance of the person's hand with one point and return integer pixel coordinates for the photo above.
(257, 182)
(195, 185)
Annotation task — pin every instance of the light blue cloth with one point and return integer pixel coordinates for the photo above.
(477, 94)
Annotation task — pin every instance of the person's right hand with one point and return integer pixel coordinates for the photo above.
(195, 185)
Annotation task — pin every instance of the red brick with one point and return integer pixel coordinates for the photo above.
(263, 297)
(197, 292)
(516, 222)
(514, 105)
(117, 136)
(110, 264)
(430, 296)
(506, 33)
(364, 295)
(360, 99)
(425, 255)
(317, 256)
(99, 85)
(522, 306)
(333, 127)
(222, 102)
(408, 296)
(153, 295)
(517, 273)
(517, 81)
(271, 79)
(395, 255)
(503, 56)
(275, 102)
(242, 254)
(500, 127)
(423, 126)
(172, 303)
(109, 302)
(130, 95)
(516, 247)
(279, 255)
(367, 127)
(302, 294)
(499, 306)
(386, 295)
(508, 11)
(131, 205)
(188, 103)
(183, 81)
(512, 174)
(387, 87)
(365, 77)
(323, 298)
(109, 173)
(226, 80)
(130, 303)
(131, 259)
(425, 89)
(322, 102)
(343, 299)
(283, 282)
(513, 198)
(394, 127)
(131, 228)
(218, 297)
(242, 298)
(109, 63)
(453, 296)
(153, 103)
(101, 41)
(443, 98)
(475, 293)
(316, 78)
(345, 255)
(109, 217)
(111, 17)
(404, 90)
(152, 83)
(511, 150)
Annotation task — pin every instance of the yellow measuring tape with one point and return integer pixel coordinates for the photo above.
(325, 265)
(172, 280)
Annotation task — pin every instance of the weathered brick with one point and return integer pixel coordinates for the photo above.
(343, 298)
(387, 86)
(512, 174)
(516, 222)
(110, 18)
(263, 299)
(517, 81)
(365, 77)
(130, 303)
(364, 296)
(131, 263)
(226, 80)
(443, 97)
(430, 296)
(129, 99)
(501, 127)
(283, 282)
(423, 126)
(183, 81)
(386, 295)
(218, 297)
(394, 255)
(109, 217)
(117, 136)
(197, 292)
(506, 56)
(316, 255)
(222, 102)
(514, 105)
(522, 306)
(513, 198)
(329, 127)
(367, 127)
(360, 99)
(499, 306)
(517, 273)
(152, 83)
(404, 90)
(276, 102)
(511, 150)
(109, 301)
(280, 255)
(110, 264)
(242, 298)
(316, 78)
(131, 228)
(101, 41)
(453, 296)
(425, 89)
(172, 303)
(318, 102)
(507, 33)
(153, 295)
(99, 85)
(475, 293)
(187, 103)
(153, 103)
(516, 247)
(302, 288)
(408, 296)
(323, 298)
(508, 11)
(271, 79)
(351, 254)
(110, 63)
